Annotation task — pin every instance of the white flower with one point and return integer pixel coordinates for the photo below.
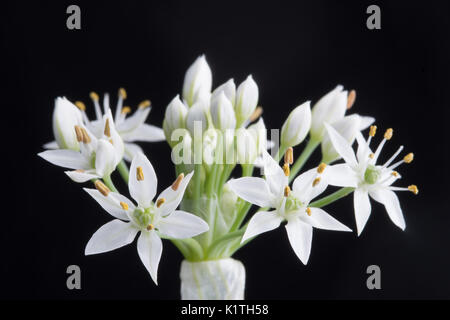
(197, 117)
(65, 117)
(246, 100)
(131, 129)
(369, 179)
(228, 88)
(97, 158)
(175, 117)
(222, 112)
(198, 79)
(296, 126)
(347, 127)
(331, 108)
(246, 146)
(151, 219)
(290, 205)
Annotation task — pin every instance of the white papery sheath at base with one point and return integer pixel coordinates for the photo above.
(222, 279)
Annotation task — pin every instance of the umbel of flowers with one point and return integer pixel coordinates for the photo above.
(218, 137)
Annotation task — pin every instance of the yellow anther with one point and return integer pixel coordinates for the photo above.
(287, 191)
(177, 182)
(139, 174)
(409, 157)
(321, 167)
(122, 93)
(308, 211)
(371, 156)
(388, 134)
(413, 188)
(79, 133)
(100, 186)
(160, 202)
(150, 227)
(124, 205)
(94, 96)
(126, 110)
(80, 170)
(144, 104)
(80, 105)
(289, 156)
(86, 138)
(316, 182)
(394, 173)
(351, 99)
(107, 130)
(256, 114)
(286, 169)
(372, 131)
(111, 141)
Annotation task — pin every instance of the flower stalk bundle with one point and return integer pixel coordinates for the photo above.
(219, 145)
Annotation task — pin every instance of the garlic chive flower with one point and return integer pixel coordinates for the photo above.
(369, 179)
(291, 205)
(296, 126)
(97, 157)
(131, 128)
(151, 219)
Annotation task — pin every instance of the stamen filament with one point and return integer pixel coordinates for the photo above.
(393, 157)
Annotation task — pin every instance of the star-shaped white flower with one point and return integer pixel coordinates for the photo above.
(290, 205)
(369, 179)
(130, 129)
(151, 219)
(96, 158)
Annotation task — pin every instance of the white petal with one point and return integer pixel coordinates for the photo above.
(81, 177)
(392, 205)
(252, 189)
(275, 177)
(180, 225)
(303, 187)
(365, 122)
(262, 221)
(51, 145)
(105, 159)
(131, 151)
(143, 191)
(146, 132)
(65, 158)
(363, 149)
(362, 207)
(322, 220)
(111, 203)
(342, 146)
(113, 235)
(341, 175)
(172, 198)
(149, 249)
(300, 237)
(132, 123)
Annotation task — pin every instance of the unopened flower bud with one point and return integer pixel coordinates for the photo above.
(246, 100)
(175, 116)
(65, 117)
(222, 112)
(246, 147)
(296, 126)
(198, 78)
(228, 88)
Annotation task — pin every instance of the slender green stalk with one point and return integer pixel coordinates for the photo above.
(109, 183)
(280, 153)
(332, 197)
(240, 216)
(123, 170)
(304, 156)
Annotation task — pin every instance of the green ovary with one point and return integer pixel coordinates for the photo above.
(143, 217)
(372, 174)
(292, 204)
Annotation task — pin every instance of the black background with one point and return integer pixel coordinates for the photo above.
(296, 52)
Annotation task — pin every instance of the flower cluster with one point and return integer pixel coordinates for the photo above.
(211, 133)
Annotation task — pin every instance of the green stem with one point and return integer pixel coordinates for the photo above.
(280, 153)
(240, 216)
(109, 183)
(123, 170)
(332, 197)
(304, 156)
